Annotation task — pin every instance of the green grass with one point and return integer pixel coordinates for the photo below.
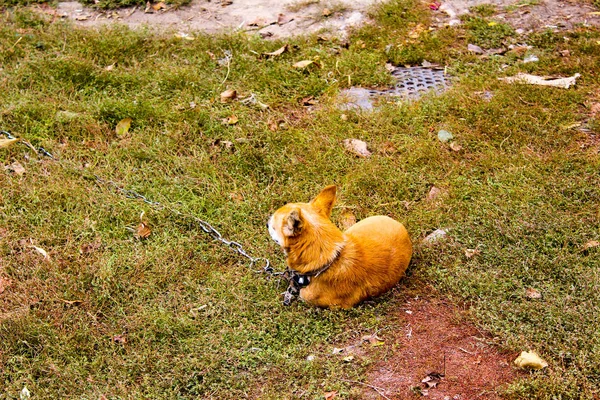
(198, 322)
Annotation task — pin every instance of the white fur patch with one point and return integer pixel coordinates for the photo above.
(276, 237)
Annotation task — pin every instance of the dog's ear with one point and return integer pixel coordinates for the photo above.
(323, 203)
(293, 224)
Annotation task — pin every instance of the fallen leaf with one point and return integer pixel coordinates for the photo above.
(123, 127)
(358, 147)
(277, 52)
(337, 350)
(330, 395)
(225, 3)
(211, 55)
(455, 146)
(282, 19)
(159, 6)
(347, 219)
(435, 236)
(471, 252)
(122, 339)
(231, 120)
(7, 142)
(432, 380)
(309, 101)
(25, 394)
(15, 168)
(143, 230)
(228, 96)
(326, 12)
(530, 360)
(434, 193)
(532, 293)
(72, 302)
(492, 23)
(82, 17)
(594, 111)
(591, 244)
(4, 283)
(41, 251)
(348, 358)
(474, 49)
(565, 53)
(564, 83)
(303, 64)
(373, 340)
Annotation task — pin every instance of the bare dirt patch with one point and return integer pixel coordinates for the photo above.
(268, 18)
(288, 18)
(435, 339)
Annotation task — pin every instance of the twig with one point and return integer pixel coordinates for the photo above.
(468, 352)
(228, 69)
(380, 391)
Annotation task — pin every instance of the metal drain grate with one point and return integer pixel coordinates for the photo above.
(411, 83)
(414, 81)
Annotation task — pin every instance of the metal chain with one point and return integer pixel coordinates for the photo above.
(204, 225)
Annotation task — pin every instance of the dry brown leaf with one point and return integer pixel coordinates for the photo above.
(455, 146)
(277, 52)
(82, 17)
(348, 358)
(228, 96)
(4, 283)
(121, 339)
(373, 340)
(123, 127)
(7, 142)
(533, 293)
(471, 252)
(591, 244)
(72, 302)
(358, 147)
(309, 101)
(330, 395)
(326, 12)
(143, 230)
(303, 64)
(16, 168)
(434, 193)
(282, 19)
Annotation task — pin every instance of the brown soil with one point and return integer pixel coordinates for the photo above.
(434, 338)
(277, 19)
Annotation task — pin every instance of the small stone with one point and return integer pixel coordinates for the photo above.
(445, 136)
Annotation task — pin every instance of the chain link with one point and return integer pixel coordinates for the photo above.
(264, 263)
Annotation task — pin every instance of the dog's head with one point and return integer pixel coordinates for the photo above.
(295, 219)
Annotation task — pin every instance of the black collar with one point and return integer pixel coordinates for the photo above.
(298, 281)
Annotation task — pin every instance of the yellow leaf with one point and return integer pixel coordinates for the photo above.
(7, 142)
(159, 6)
(232, 120)
(303, 64)
(530, 360)
(277, 52)
(492, 23)
(123, 127)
